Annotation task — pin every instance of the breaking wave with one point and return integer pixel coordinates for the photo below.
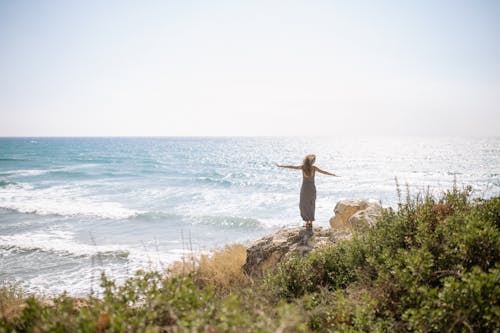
(59, 200)
(59, 242)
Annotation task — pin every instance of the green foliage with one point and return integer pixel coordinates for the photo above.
(428, 248)
(343, 311)
(470, 303)
(331, 267)
(489, 210)
(150, 302)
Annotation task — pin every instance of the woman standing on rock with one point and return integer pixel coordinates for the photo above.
(308, 190)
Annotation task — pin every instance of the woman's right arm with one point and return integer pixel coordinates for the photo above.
(290, 166)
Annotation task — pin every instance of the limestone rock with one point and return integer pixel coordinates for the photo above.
(344, 210)
(366, 217)
(355, 214)
(267, 252)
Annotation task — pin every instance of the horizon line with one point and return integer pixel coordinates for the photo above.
(244, 136)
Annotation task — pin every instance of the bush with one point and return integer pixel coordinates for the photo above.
(11, 301)
(428, 248)
(352, 310)
(151, 302)
(330, 267)
(468, 303)
(220, 270)
(489, 210)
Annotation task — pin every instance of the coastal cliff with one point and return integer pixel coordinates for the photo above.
(431, 266)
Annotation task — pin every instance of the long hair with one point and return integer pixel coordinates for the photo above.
(308, 163)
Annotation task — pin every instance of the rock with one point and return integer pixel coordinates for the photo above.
(344, 210)
(267, 252)
(355, 214)
(365, 218)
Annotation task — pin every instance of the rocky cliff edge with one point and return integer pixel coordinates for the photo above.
(350, 215)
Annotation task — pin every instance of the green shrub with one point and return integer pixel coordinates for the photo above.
(468, 303)
(331, 267)
(151, 302)
(427, 247)
(489, 210)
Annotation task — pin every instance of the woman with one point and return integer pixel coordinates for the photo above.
(308, 189)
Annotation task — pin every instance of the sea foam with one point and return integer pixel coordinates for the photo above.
(60, 242)
(59, 200)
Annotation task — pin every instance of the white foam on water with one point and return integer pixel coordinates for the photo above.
(276, 223)
(60, 242)
(39, 172)
(59, 200)
(80, 280)
(26, 173)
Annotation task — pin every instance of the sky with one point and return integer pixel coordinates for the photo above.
(249, 68)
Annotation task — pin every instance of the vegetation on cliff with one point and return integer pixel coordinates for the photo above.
(432, 265)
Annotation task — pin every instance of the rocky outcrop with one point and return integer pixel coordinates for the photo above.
(268, 251)
(355, 215)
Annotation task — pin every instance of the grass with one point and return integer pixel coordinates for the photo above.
(12, 301)
(220, 269)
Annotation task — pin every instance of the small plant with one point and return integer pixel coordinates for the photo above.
(221, 269)
(466, 303)
(12, 300)
(330, 267)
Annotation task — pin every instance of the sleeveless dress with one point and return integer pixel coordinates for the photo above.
(307, 198)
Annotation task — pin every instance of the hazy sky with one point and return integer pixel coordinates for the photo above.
(75, 68)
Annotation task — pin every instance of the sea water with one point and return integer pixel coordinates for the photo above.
(71, 208)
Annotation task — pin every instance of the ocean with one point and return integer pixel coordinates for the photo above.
(71, 208)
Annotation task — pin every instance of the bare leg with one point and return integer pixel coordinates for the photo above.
(309, 225)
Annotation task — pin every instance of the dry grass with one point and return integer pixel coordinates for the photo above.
(221, 269)
(11, 301)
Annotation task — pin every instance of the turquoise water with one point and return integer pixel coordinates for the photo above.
(73, 207)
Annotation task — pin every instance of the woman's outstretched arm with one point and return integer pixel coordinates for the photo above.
(289, 166)
(325, 172)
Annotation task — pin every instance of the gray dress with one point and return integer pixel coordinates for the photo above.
(307, 198)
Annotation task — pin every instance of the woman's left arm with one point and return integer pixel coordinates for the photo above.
(325, 172)
(298, 167)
